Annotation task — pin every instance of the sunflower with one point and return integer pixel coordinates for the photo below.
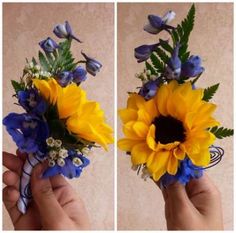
(82, 117)
(163, 131)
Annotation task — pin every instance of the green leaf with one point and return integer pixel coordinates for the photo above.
(222, 132)
(182, 32)
(34, 61)
(159, 65)
(210, 91)
(17, 86)
(165, 45)
(162, 54)
(43, 61)
(150, 67)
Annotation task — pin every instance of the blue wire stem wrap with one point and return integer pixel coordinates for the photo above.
(25, 192)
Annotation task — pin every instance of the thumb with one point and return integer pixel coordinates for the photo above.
(177, 196)
(48, 206)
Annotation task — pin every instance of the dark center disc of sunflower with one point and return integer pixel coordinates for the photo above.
(168, 129)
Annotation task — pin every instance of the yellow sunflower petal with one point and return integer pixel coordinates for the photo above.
(140, 129)
(127, 144)
(179, 153)
(140, 153)
(172, 166)
(151, 137)
(202, 159)
(127, 115)
(135, 101)
(44, 88)
(161, 163)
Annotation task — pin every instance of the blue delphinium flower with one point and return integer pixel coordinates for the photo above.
(31, 101)
(64, 78)
(92, 66)
(64, 31)
(72, 167)
(143, 52)
(157, 24)
(186, 171)
(149, 89)
(173, 68)
(29, 132)
(79, 75)
(48, 45)
(192, 67)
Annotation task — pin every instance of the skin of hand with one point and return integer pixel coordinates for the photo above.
(55, 204)
(196, 206)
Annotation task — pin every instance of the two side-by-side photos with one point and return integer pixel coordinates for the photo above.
(159, 158)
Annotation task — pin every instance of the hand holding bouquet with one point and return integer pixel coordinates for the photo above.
(59, 124)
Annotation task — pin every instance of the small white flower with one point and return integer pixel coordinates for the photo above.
(61, 162)
(31, 65)
(50, 141)
(148, 72)
(51, 163)
(63, 153)
(57, 143)
(52, 154)
(76, 161)
(86, 151)
(37, 67)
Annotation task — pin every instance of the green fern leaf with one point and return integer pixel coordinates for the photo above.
(150, 67)
(159, 65)
(162, 54)
(209, 92)
(222, 132)
(43, 62)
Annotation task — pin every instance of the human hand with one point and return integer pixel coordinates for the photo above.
(55, 205)
(196, 206)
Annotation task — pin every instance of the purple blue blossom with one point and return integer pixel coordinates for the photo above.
(79, 75)
(65, 31)
(31, 101)
(186, 171)
(48, 45)
(143, 52)
(92, 66)
(28, 131)
(192, 67)
(149, 89)
(173, 68)
(64, 78)
(156, 24)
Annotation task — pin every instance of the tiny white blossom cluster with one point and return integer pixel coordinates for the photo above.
(57, 154)
(145, 173)
(35, 71)
(146, 76)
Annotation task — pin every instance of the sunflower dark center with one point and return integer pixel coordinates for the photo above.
(168, 129)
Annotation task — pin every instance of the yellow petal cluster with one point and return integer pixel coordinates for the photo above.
(180, 102)
(83, 117)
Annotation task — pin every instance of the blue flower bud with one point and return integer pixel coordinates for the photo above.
(173, 68)
(48, 45)
(79, 75)
(149, 89)
(64, 78)
(143, 52)
(156, 24)
(92, 66)
(64, 31)
(192, 67)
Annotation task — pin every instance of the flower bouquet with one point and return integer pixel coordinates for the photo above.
(59, 124)
(168, 124)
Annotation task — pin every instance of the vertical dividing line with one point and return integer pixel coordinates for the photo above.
(115, 115)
